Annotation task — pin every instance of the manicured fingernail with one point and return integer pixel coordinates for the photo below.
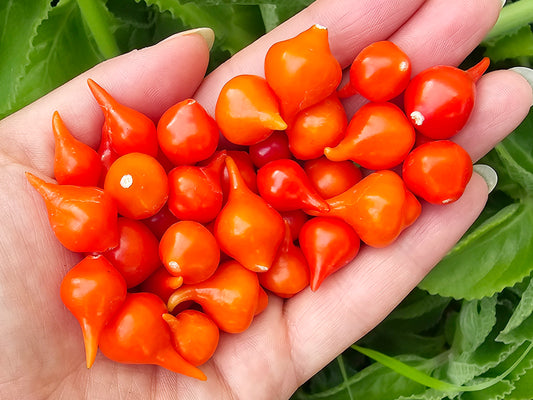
(488, 174)
(207, 33)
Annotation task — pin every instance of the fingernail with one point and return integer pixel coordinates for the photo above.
(503, 2)
(526, 72)
(207, 33)
(488, 174)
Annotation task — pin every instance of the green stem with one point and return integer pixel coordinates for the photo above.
(512, 17)
(340, 361)
(94, 15)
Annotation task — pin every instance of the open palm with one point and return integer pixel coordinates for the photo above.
(42, 351)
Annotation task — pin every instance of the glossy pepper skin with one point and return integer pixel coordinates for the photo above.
(127, 130)
(195, 335)
(248, 229)
(229, 297)
(93, 291)
(375, 207)
(75, 163)
(380, 72)
(302, 71)
(440, 99)
(186, 133)
(138, 334)
(83, 218)
(438, 171)
(379, 136)
(247, 110)
(328, 244)
(285, 186)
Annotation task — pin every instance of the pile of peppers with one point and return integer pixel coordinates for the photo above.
(187, 225)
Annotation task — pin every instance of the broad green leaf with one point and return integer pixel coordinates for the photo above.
(465, 364)
(520, 325)
(61, 50)
(18, 29)
(514, 45)
(523, 386)
(496, 255)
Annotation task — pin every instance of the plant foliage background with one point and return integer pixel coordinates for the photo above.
(466, 332)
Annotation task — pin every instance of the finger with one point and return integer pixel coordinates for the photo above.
(503, 100)
(351, 26)
(149, 80)
(356, 298)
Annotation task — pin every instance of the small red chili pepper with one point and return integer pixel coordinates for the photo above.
(188, 249)
(317, 127)
(302, 71)
(440, 99)
(75, 163)
(374, 207)
(137, 253)
(229, 297)
(248, 229)
(195, 335)
(128, 130)
(138, 334)
(186, 133)
(247, 110)
(331, 178)
(285, 186)
(83, 218)
(379, 136)
(195, 192)
(93, 291)
(289, 273)
(138, 184)
(380, 72)
(438, 171)
(328, 244)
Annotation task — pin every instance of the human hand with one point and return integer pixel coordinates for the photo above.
(292, 339)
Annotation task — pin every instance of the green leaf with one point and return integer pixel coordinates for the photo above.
(514, 45)
(496, 255)
(20, 20)
(235, 26)
(475, 322)
(523, 386)
(513, 161)
(274, 13)
(520, 325)
(61, 49)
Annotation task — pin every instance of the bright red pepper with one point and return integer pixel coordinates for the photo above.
(83, 218)
(93, 291)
